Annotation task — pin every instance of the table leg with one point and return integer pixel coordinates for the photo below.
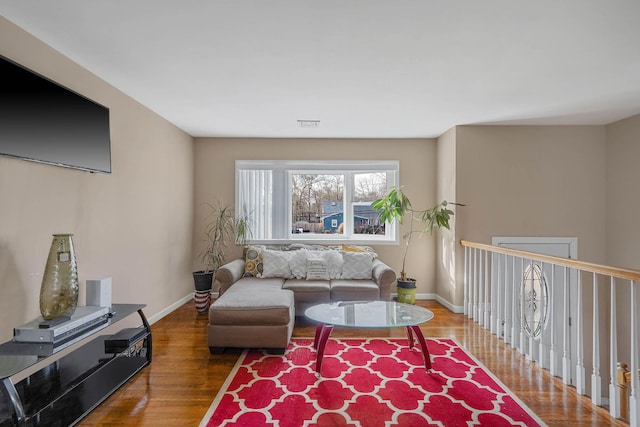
(410, 337)
(316, 339)
(322, 342)
(423, 346)
(19, 418)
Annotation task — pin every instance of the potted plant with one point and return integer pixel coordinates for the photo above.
(217, 235)
(395, 205)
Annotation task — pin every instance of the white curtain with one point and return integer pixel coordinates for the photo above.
(255, 199)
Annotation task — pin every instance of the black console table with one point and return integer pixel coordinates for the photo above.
(69, 386)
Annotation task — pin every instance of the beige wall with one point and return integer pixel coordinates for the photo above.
(447, 246)
(532, 181)
(134, 225)
(215, 168)
(623, 193)
(623, 212)
(515, 180)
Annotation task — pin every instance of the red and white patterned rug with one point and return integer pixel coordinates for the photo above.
(365, 382)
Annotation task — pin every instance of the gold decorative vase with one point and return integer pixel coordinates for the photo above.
(59, 290)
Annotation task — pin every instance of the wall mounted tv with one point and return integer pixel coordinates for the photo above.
(44, 122)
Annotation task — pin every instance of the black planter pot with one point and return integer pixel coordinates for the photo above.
(203, 280)
(407, 284)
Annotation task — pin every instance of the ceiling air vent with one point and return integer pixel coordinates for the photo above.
(308, 123)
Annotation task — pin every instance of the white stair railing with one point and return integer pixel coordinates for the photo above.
(526, 299)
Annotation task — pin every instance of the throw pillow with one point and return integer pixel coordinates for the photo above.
(357, 265)
(334, 263)
(351, 248)
(356, 248)
(317, 269)
(253, 261)
(298, 263)
(276, 264)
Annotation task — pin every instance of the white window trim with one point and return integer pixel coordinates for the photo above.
(320, 166)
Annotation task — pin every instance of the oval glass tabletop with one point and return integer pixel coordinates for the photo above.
(369, 314)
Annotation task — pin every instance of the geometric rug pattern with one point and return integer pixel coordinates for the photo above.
(369, 382)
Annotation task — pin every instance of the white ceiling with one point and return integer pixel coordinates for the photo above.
(364, 68)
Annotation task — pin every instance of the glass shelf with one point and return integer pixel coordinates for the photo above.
(69, 385)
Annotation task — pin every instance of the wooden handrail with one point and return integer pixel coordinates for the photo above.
(622, 273)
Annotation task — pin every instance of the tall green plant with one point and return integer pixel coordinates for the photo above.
(395, 206)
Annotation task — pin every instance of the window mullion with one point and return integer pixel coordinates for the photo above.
(348, 204)
(281, 204)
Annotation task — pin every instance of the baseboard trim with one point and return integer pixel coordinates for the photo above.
(436, 297)
(182, 301)
(454, 308)
(189, 297)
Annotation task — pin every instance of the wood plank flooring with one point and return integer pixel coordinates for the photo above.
(183, 378)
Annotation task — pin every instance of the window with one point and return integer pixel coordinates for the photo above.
(534, 306)
(319, 201)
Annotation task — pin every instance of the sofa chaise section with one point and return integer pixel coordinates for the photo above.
(257, 314)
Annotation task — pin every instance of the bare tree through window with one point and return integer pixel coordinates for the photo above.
(318, 204)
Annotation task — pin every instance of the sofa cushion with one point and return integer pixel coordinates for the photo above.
(276, 264)
(357, 265)
(354, 290)
(309, 290)
(253, 301)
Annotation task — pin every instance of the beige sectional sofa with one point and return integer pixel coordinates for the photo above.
(261, 295)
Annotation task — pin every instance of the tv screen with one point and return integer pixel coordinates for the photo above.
(45, 122)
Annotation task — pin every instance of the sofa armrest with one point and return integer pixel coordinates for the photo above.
(229, 273)
(384, 277)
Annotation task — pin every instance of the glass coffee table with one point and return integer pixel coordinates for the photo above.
(368, 314)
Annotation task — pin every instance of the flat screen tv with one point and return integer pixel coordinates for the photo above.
(45, 122)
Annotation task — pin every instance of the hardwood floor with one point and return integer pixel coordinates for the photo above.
(183, 378)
